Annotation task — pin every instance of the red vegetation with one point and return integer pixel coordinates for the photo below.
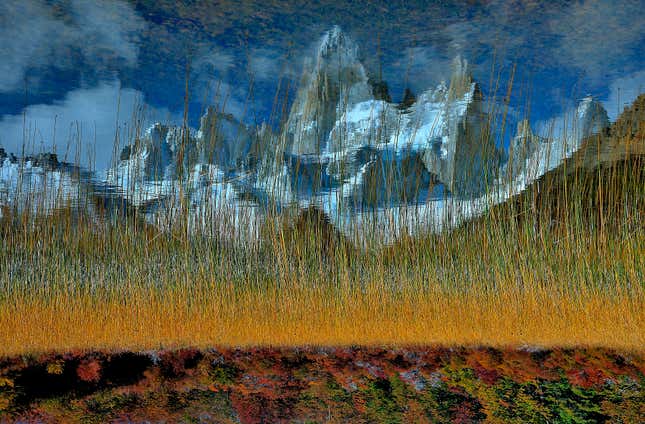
(89, 370)
(313, 384)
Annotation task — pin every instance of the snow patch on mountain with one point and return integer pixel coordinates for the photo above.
(31, 186)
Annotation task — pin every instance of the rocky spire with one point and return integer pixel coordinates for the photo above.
(460, 79)
(523, 146)
(336, 81)
(591, 117)
(408, 99)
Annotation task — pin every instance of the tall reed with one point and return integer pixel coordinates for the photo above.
(561, 264)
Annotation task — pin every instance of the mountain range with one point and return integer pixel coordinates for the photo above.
(372, 166)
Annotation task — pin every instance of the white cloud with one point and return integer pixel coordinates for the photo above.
(595, 35)
(221, 78)
(421, 68)
(37, 34)
(108, 26)
(271, 65)
(623, 92)
(214, 61)
(90, 113)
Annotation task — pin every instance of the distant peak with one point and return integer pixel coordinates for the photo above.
(460, 66)
(461, 77)
(333, 36)
(335, 40)
(592, 116)
(335, 31)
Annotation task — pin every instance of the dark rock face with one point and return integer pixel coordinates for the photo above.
(631, 123)
(477, 159)
(380, 90)
(163, 151)
(224, 141)
(47, 160)
(402, 179)
(408, 99)
(125, 153)
(44, 160)
(523, 146)
(154, 152)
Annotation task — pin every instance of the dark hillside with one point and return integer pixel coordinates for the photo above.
(600, 185)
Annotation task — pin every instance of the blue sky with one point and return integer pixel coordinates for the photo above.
(78, 69)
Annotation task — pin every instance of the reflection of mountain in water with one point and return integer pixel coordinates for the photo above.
(345, 149)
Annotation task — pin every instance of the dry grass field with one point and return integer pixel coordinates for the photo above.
(562, 264)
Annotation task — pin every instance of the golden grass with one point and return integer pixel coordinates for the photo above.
(483, 284)
(561, 266)
(306, 317)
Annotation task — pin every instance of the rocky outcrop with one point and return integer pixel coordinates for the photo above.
(606, 146)
(591, 118)
(164, 152)
(199, 176)
(152, 157)
(522, 147)
(38, 184)
(532, 156)
(223, 141)
(464, 155)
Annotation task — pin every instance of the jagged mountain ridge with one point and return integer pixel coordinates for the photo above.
(345, 149)
(337, 113)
